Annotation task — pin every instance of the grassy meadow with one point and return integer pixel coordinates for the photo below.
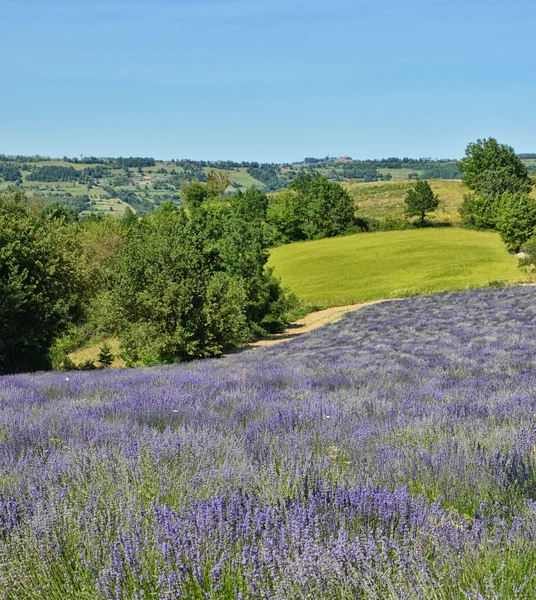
(385, 199)
(370, 266)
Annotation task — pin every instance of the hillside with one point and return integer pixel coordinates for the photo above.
(109, 185)
(385, 199)
(389, 455)
(362, 267)
(107, 188)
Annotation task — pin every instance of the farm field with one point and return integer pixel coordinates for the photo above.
(370, 266)
(387, 456)
(385, 199)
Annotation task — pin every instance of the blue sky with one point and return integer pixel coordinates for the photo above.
(266, 80)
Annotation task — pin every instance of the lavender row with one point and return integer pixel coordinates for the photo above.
(389, 455)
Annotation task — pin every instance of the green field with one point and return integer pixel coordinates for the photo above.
(370, 266)
(239, 176)
(385, 199)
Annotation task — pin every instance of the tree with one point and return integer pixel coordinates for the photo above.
(420, 199)
(217, 182)
(515, 219)
(105, 358)
(312, 208)
(43, 286)
(191, 282)
(490, 169)
(287, 215)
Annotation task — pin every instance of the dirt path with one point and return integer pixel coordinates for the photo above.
(310, 322)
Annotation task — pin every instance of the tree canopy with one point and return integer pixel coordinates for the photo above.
(420, 199)
(489, 170)
(42, 284)
(190, 281)
(311, 208)
(515, 219)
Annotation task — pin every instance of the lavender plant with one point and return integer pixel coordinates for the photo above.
(389, 455)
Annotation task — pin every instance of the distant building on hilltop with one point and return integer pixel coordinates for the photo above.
(344, 159)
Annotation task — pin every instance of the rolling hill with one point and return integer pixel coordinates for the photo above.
(370, 266)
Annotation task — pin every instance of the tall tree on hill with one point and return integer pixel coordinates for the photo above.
(420, 199)
(490, 169)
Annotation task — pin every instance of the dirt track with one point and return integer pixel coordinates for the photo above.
(308, 323)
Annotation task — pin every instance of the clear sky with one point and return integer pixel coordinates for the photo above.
(266, 80)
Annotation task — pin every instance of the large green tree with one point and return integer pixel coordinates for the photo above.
(490, 169)
(515, 219)
(312, 208)
(42, 283)
(420, 199)
(191, 281)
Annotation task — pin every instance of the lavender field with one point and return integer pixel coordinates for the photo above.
(389, 455)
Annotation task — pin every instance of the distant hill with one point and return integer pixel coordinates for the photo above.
(106, 184)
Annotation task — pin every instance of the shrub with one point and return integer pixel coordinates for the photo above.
(515, 219)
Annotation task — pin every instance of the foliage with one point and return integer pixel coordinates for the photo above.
(217, 182)
(139, 204)
(94, 172)
(10, 173)
(527, 255)
(357, 170)
(515, 219)
(287, 214)
(441, 171)
(311, 208)
(105, 357)
(477, 212)
(54, 173)
(490, 169)
(190, 282)
(42, 284)
(420, 199)
(133, 162)
(269, 175)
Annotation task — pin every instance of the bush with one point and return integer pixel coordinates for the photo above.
(43, 285)
(311, 208)
(191, 283)
(105, 358)
(515, 219)
(477, 212)
(527, 253)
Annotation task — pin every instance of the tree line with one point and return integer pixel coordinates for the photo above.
(180, 282)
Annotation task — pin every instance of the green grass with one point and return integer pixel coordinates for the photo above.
(385, 199)
(241, 176)
(371, 266)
